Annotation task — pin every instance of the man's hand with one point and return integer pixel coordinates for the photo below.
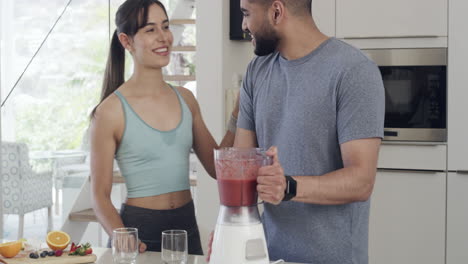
(271, 180)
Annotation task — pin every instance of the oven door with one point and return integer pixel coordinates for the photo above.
(415, 82)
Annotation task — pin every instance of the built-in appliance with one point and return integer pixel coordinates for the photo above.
(415, 82)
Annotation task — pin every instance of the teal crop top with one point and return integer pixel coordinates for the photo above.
(154, 162)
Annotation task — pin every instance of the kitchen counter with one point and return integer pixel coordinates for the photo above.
(104, 256)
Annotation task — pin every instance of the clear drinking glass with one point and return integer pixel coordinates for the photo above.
(125, 245)
(174, 247)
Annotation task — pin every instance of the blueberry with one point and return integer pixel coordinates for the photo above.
(51, 253)
(33, 255)
(43, 254)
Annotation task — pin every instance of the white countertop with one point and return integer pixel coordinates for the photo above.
(104, 256)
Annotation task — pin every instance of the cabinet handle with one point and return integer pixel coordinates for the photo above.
(462, 172)
(391, 37)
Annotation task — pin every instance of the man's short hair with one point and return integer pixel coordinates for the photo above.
(297, 7)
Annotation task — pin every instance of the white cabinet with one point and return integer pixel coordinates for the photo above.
(407, 218)
(324, 15)
(395, 18)
(413, 157)
(458, 86)
(457, 219)
(457, 195)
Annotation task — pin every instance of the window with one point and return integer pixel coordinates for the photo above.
(52, 60)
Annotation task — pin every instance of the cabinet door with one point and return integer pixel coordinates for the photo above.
(457, 86)
(324, 15)
(395, 18)
(407, 218)
(457, 219)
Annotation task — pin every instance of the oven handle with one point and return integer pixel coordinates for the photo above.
(387, 37)
(410, 170)
(427, 144)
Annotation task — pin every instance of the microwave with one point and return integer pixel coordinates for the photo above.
(415, 82)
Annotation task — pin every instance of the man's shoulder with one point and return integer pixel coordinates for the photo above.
(346, 56)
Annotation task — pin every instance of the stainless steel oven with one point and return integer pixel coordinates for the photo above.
(415, 82)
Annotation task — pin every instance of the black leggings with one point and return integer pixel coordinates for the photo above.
(151, 223)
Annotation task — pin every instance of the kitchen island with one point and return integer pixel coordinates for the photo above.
(104, 256)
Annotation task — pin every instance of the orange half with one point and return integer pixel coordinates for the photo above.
(57, 240)
(10, 249)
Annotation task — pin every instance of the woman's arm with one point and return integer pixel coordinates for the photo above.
(203, 141)
(103, 146)
(104, 137)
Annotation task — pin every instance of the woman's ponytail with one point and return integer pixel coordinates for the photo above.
(115, 69)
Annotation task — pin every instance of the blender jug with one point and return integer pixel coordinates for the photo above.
(237, 171)
(239, 237)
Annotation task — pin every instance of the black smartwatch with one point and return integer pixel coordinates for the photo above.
(291, 188)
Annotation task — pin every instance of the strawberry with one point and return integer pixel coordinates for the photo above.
(73, 248)
(58, 253)
(80, 250)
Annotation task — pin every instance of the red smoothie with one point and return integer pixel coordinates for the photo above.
(237, 192)
(237, 181)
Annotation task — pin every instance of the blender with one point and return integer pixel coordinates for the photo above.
(239, 237)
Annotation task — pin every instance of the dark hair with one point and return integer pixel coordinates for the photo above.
(130, 17)
(297, 7)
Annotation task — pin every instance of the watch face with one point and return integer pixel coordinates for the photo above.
(290, 191)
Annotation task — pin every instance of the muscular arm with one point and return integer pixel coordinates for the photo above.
(351, 184)
(245, 139)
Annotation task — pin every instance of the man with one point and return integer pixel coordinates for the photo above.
(321, 103)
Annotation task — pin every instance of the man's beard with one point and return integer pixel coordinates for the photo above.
(266, 43)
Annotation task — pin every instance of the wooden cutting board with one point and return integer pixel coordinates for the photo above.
(23, 258)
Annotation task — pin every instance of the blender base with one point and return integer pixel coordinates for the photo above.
(239, 244)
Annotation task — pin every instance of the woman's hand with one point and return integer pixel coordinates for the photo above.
(142, 247)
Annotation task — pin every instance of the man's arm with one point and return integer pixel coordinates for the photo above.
(351, 184)
(245, 138)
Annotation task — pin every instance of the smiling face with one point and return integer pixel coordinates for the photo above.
(151, 45)
(256, 23)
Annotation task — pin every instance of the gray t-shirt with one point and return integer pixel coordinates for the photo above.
(307, 108)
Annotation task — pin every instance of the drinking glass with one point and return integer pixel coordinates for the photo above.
(174, 247)
(125, 245)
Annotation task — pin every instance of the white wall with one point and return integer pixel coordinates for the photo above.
(217, 59)
(209, 93)
(1, 188)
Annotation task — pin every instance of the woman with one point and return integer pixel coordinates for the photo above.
(149, 127)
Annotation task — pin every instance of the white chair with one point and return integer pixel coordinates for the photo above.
(24, 191)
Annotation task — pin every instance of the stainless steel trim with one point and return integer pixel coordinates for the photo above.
(414, 143)
(416, 134)
(408, 57)
(392, 37)
(410, 171)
